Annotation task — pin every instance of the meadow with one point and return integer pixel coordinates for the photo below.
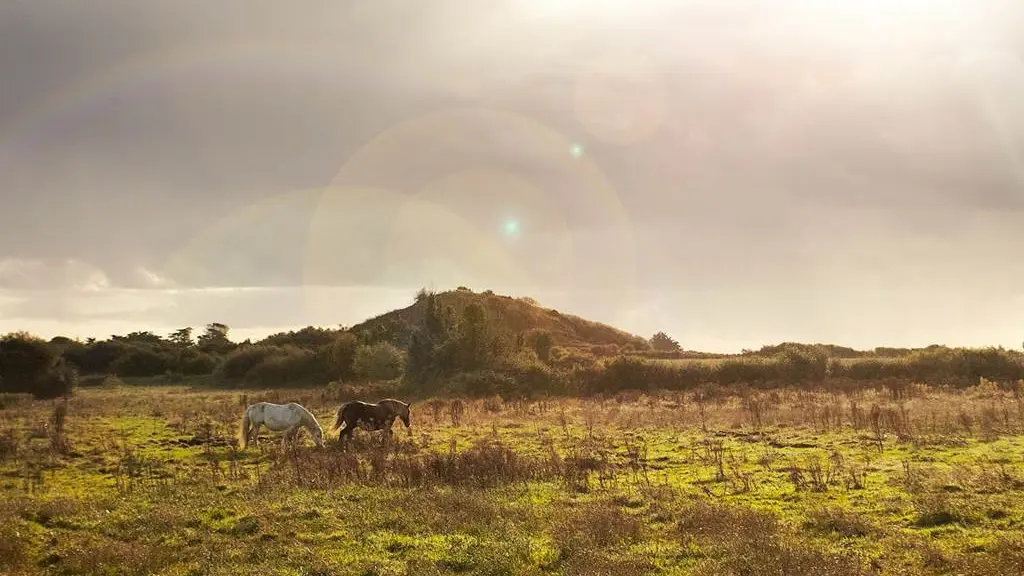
(872, 479)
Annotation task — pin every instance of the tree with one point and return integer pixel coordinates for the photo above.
(182, 337)
(97, 357)
(474, 338)
(662, 342)
(422, 294)
(30, 364)
(61, 342)
(341, 355)
(144, 338)
(379, 361)
(215, 339)
(431, 346)
(141, 361)
(24, 359)
(542, 343)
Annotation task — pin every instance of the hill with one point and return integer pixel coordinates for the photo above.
(466, 343)
(507, 315)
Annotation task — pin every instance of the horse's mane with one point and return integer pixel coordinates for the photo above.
(308, 417)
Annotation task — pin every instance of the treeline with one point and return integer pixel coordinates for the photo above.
(470, 348)
(310, 356)
(793, 363)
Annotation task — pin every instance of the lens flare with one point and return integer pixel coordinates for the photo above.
(511, 227)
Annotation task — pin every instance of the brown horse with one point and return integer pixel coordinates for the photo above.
(371, 417)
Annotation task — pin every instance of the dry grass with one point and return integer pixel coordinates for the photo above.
(885, 480)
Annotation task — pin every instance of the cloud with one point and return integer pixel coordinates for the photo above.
(51, 274)
(155, 146)
(247, 309)
(151, 279)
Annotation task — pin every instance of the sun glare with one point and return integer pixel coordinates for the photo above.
(554, 8)
(511, 227)
(890, 17)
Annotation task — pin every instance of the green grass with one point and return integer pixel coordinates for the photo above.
(147, 480)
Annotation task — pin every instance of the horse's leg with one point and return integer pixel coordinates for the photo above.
(254, 433)
(345, 434)
(290, 435)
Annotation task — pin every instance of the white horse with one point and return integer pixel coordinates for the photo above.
(277, 417)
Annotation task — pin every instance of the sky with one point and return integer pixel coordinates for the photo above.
(734, 175)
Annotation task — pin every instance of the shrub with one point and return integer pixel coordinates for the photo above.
(195, 362)
(29, 364)
(98, 357)
(479, 383)
(752, 370)
(802, 363)
(287, 366)
(530, 376)
(23, 360)
(572, 359)
(242, 359)
(271, 371)
(541, 342)
(140, 361)
(341, 355)
(379, 361)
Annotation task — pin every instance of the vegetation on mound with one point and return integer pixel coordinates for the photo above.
(467, 343)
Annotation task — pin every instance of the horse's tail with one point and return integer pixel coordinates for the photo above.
(339, 418)
(243, 430)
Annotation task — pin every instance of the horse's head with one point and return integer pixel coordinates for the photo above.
(397, 408)
(318, 435)
(311, 424)
(404, 414)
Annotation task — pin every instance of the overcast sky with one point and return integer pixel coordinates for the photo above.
(823, 170)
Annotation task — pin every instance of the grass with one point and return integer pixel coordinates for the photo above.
(135, 480)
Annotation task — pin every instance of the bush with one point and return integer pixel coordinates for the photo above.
(244, 358)
(752, 370)
(142, 362)
(341, 355)
(572, 359)
(479, 383)
(30, 365)
(55, 383)
(530, 376)
(98, 357)
(802, 363)
(541, 341)
(195, 362)
(23, 360)
(379, 361)
(287, 366)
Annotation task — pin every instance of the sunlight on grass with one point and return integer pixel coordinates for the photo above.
(780, 481)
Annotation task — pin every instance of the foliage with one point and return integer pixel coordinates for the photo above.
(31, 365)
(341, 354)
(542, 342)
(662, 342)
(215, 338)
(469, 342)
(379, 361)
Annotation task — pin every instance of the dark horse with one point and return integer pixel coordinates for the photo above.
(370, 417)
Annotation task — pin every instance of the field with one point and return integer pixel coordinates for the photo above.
(148, 480)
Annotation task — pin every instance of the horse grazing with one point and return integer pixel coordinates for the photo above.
(277, 417)
(371, 417)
